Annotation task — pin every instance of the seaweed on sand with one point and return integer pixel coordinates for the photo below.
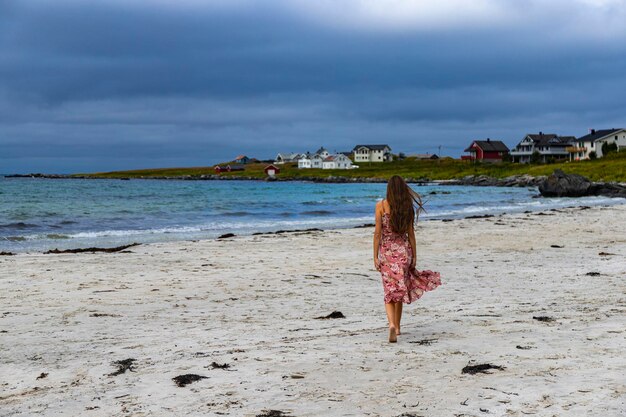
(183, 380)
(123, 366)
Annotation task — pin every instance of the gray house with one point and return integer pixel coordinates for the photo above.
(548, 145)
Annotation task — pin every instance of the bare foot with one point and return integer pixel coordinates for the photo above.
(392, 335)
(398, 331)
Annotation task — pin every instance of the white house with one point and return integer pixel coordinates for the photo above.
(283, 157)
(322, 152)
(593, 142)
(317, 161)
(304, 162)
(338, 161)
(372, 153)
(548, 145)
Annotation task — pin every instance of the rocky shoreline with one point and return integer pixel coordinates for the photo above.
(558, 184)
(477, 180)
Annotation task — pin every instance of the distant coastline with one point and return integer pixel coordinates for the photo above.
(472, 180)
(611, 168)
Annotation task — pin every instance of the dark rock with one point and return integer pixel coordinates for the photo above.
(226, 236)
(3, 253)
(560, 184)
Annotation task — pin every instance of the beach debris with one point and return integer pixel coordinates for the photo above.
(424, 341)
(484, 410)
(546, 319)
(480, 216)
(606, 254)
(82, 250)
(447, 220)
(592, 274)
(104, 315)
(278, 232)
(42, 375)
(557, 246)
(294, 376)
(481, 368)
(183, 380)
(465, 402)
(410, 415)
(3, 253)
(226, 235)
(364, 225)
(523, 347)
(333, 315)
(123, 366)
(273, 413)
(215, 365)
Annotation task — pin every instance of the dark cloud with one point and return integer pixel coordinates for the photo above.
(124, 86)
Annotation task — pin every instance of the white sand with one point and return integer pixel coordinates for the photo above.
(251, 302)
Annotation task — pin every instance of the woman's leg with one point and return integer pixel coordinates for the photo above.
(390, 308)
(397, 316)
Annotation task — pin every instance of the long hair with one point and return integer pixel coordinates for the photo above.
(404, 204)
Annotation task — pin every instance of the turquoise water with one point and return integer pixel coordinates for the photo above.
(40, 214)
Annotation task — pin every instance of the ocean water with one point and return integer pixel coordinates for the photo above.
(40, 214)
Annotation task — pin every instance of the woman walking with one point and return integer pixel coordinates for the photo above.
(394, 252)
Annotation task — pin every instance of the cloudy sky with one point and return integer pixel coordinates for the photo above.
(99, 85)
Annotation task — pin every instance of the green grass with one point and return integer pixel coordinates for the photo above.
(610, 168)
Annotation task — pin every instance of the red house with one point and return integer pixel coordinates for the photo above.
(271, 170)
(486, 151)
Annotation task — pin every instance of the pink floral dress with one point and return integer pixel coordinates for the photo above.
(401, 282)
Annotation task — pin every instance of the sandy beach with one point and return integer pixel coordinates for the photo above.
(541, 295)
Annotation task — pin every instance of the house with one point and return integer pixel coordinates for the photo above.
(322, 159)
(242, 159)
(372, 153)
(337, 161)
(592, 142)
(304, 162)
(322, 152)
(283, 157)
(486, 151)
(317, 161)
(547, 145)
(229, 168)
(271, 170)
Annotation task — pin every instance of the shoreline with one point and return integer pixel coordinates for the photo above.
(537, 295)
(477, 180)
(230, 235)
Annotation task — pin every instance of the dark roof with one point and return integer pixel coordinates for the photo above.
(550, 139)
(372, 147)
(490, 146)
(597, 134)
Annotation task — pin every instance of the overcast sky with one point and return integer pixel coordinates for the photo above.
(100, 85)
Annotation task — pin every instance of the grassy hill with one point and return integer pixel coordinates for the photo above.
(610, 168)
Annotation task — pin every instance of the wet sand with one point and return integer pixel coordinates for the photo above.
(242, 312)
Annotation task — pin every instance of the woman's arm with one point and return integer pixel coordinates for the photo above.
(377, 233)
(412, 241)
